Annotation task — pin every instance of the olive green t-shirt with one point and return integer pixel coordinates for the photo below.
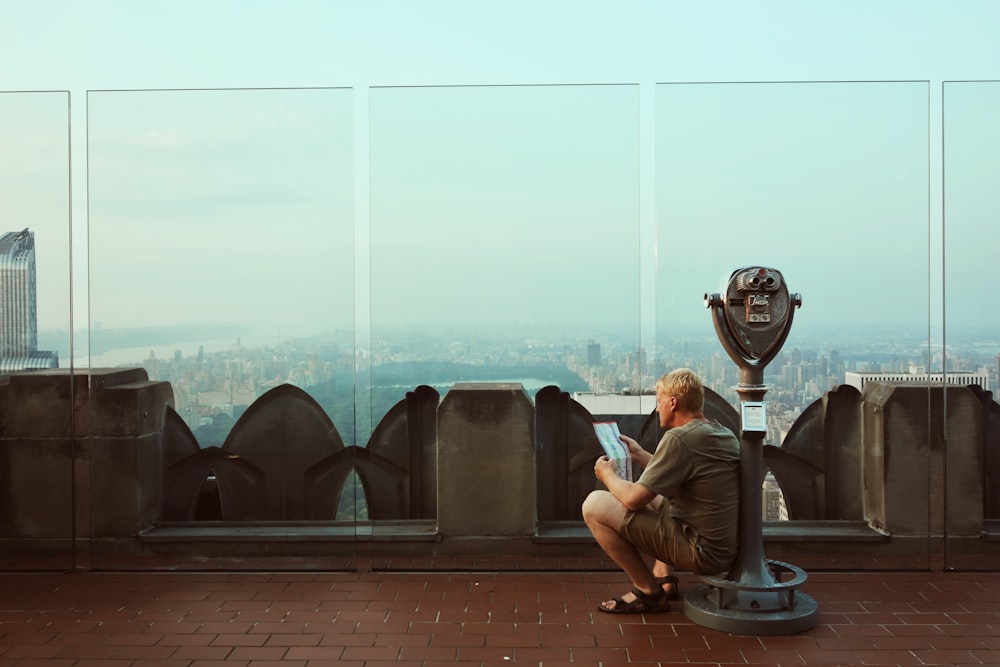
(696, 468)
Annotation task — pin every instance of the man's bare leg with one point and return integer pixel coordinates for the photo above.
(662, 568)
(604, 514)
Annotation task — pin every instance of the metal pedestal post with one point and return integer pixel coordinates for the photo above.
(759, 597)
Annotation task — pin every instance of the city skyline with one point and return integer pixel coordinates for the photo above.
(219, 385)
(247, 366)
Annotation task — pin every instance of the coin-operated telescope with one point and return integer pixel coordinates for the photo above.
(759, 596)
(754, 316)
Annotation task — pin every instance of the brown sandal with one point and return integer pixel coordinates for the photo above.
(675, 592)
(644, 603)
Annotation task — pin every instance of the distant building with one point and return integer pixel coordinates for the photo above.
(773, 506)
(919, 374)
(19, 306)
(616, 404)
(593, 354)
(629, 410)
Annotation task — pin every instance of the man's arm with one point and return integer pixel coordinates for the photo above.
(633, 496)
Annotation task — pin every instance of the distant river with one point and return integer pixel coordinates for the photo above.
(135, 356)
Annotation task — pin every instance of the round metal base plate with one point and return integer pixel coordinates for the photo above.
(703, 610)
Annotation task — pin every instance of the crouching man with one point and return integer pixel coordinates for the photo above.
(683, 511)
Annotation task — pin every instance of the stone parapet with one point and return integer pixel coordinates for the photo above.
(79, 453)
(476, 480)
(486, 461)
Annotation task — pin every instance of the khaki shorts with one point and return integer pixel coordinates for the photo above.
(658, 534)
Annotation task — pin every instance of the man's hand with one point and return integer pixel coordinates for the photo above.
(639, 455)
(633, 496)
(604, 467)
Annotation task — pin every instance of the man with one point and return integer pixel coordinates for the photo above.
(684, 508)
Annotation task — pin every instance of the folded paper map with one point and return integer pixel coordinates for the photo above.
(617, 451)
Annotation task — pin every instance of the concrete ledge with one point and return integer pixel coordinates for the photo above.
(298, 531)
(774, 531)
(991, 530)
(417, 545)
(562, 532)
(822, 531)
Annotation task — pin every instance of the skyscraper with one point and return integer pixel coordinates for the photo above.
(19, 307)
(593, 354)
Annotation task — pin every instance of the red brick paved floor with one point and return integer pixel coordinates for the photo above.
(480, 618)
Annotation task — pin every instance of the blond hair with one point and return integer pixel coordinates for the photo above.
(686, 386)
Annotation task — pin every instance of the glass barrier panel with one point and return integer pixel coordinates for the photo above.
(37, 449)
(222, 261)
(828, 184)
(504, 231)
(971, 168)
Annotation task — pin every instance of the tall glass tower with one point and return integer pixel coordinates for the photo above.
(19, 306)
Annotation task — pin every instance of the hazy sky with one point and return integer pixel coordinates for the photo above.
(462, 151)
(79, 45)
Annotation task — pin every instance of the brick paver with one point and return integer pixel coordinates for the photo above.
(474, 618)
